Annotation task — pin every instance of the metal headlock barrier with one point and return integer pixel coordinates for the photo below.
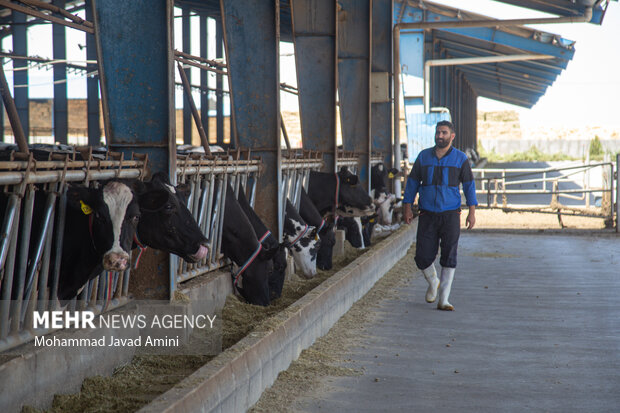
(503, 187)
(27, 282)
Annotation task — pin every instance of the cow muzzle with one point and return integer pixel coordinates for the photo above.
(115, 261)
(200, 254)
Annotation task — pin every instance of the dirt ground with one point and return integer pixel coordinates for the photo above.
(497, 219)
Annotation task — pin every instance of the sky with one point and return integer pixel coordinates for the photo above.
(586, 93)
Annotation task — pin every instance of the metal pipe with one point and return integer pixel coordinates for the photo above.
(43, 16)
(11, 110)
(470, 61)
(7, 228)
(12, 178)
(188, 93)
(617, 191)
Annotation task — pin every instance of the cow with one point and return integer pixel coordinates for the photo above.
(166, 223)
(240, 244)
(100, 225)
(358, 230)
(302, 240)
(383, 200)
(339, 193)
(325, 229)
(272, 249)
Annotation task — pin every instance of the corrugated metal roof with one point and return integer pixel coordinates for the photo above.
(520, 82)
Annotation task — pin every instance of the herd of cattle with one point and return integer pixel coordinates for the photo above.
(102, 226)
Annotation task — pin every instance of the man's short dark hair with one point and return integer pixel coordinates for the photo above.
(447, 123)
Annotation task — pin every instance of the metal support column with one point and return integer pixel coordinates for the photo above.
(219, 84)
(59, 52)
(187, 112)
(137, 78)
(381, 110)
(314, 34)
(252, 36)
(354, 58)
(92, 86)
(204, 76)
(20, 75)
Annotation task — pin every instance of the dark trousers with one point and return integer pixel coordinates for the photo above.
(436, 230)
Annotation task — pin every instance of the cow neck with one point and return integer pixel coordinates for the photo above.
(247, 264)
(301, 234)
(336, 197)
(268, 233)
(90, 231)
(141, 247)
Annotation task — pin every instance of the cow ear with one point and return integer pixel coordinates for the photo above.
(153, 200)
(183, 190)
(138, 187)
(161, 177)
(81, 198)
(351, 179)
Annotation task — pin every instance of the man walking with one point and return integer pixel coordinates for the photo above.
(436, 175)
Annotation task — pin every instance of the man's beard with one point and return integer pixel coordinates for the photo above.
(442, 143)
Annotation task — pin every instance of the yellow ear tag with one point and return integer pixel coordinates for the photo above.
(85, 208)
(316, 237)
(372, 220)
(390, 175)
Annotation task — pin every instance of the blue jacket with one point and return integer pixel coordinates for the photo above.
(437, 181)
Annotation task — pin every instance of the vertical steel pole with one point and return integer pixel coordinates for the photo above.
(617, 191)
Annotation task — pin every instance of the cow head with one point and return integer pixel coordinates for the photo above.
(328, 240)
(368, 225)
(302, 240)
(352, 227)
(353, 201)
(379, 176)
(113, 215)
(239, 243)
(166, 223)
(384, 204)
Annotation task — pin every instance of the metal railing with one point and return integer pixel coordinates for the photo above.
(208, 177)
(28, 282)
(543, 189)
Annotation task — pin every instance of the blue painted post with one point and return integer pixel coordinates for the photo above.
(92, 86)
(137, 77)
(381, 110)
(20, 77)
(314, 24)
(251, 33)
(187, 112)
(204, 76)
(219, 84)
(354, 59)
(61, 115)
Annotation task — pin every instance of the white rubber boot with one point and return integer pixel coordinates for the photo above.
(433, 282)
(447, 275)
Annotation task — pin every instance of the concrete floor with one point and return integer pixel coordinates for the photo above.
(536, 328)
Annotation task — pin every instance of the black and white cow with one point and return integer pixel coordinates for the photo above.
(383, 200)
(241, 245)
(325, 228)
(100, 225)
(272, 249)
(166, 223)
(302, 240)
(340, 192)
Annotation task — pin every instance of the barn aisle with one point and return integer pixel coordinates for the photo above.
(536, 328)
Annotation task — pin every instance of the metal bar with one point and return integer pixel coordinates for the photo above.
(13, 178)
(617, 191)
(11, 110)
(198, 65)
(190, 100)
(36, 13)
(22, 258)
(7, 228)
(59, 52)
(7, 281)
(92, 85)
